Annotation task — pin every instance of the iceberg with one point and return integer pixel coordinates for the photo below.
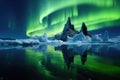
(105, 36)
(43, 38)
(79, 37)
(97, 38)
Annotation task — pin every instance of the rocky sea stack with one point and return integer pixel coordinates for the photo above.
(70, 31)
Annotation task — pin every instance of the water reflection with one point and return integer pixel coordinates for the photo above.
(101, 50)
(84, 62)
(70, 51)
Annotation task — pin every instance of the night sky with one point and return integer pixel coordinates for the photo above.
(29, 18)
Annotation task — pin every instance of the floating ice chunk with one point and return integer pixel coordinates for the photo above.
(79, 37)
(43, 38)
(105, 36)
(97, 38)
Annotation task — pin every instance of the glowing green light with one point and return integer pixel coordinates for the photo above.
(42, 61)
(51, 18)
(95, 64)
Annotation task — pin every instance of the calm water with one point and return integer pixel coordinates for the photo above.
(66, 62)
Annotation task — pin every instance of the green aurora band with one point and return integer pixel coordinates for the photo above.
(50, 16)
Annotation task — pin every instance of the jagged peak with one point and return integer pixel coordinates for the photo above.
(69, 21)
(68, 25)
(84, 29)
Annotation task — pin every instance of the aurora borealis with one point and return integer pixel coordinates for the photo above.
(26, 56)
(28, 18)
(49, 16)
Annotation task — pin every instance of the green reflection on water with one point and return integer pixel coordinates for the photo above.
(100, 65)
(51, 64)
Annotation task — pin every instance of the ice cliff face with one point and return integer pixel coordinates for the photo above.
(79, 37)
(95, 38)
